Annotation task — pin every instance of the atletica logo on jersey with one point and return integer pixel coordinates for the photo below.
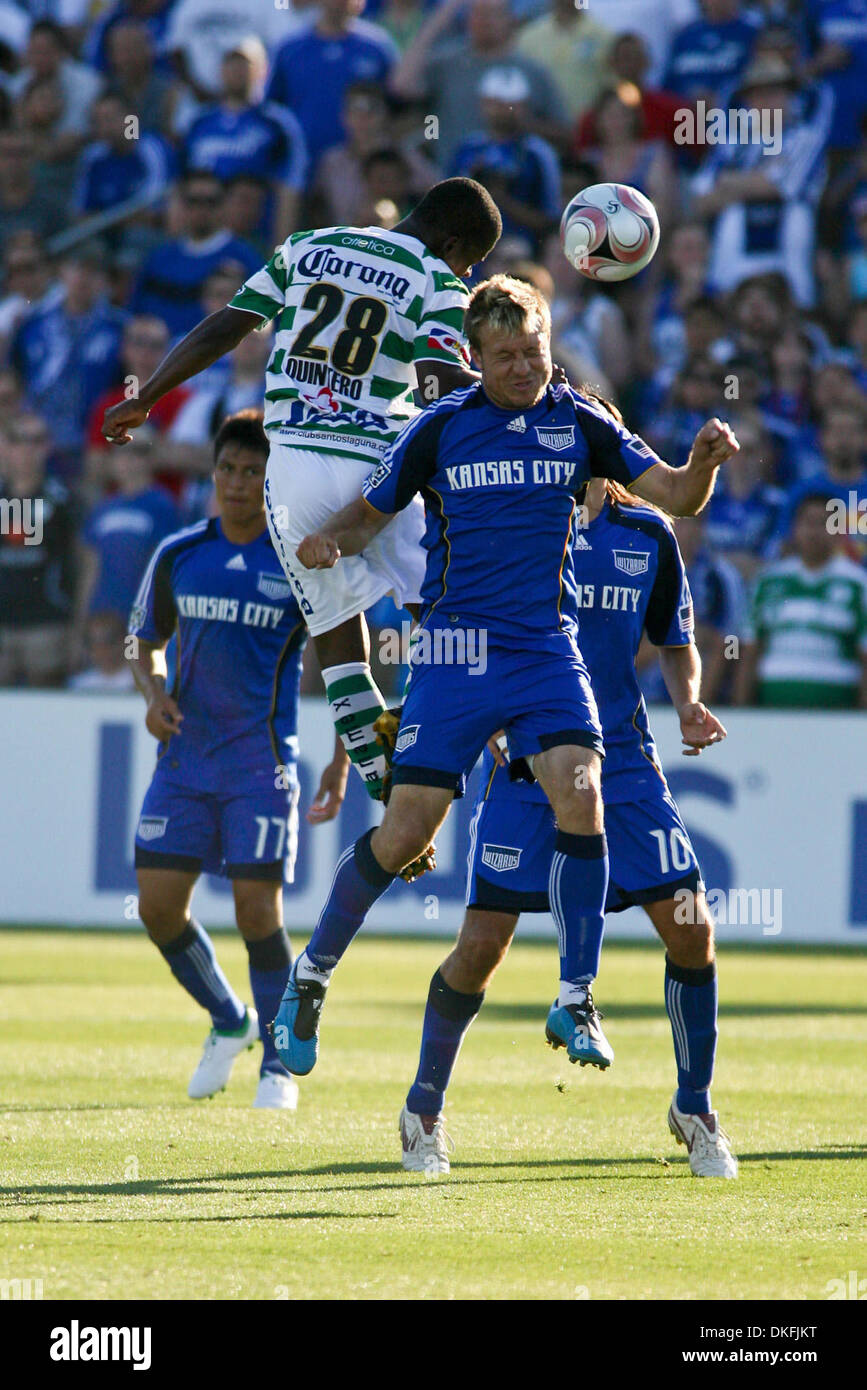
(500, 858)
(152, 827)
(632, 562)
(406, 738)
(558, 438)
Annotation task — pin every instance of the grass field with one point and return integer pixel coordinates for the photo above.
(565, 1183)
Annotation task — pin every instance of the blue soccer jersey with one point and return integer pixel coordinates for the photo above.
(499, 490)
(264, 141)
(630, 579)
(239, 636)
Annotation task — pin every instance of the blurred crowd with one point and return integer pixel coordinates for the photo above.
(153, 152)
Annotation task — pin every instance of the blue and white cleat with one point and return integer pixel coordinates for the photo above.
(295, 1030)
(578, 1028)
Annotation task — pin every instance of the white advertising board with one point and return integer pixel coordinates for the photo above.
(778, 815)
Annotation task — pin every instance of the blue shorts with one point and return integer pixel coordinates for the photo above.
(542, 700)
(250, 834)
(650, 856)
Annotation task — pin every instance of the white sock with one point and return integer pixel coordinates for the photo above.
(574, 991)
(306, 970)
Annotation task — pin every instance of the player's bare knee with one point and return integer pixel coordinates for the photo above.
(688, 944)
(571, 779)
(398, 841)
(479, 952)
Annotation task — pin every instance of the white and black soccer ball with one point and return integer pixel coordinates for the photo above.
(609, 231)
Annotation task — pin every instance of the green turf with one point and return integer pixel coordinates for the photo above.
(565, 1182)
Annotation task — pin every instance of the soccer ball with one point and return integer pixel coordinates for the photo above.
(609, 231)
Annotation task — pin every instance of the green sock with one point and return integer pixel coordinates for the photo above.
(356, 704)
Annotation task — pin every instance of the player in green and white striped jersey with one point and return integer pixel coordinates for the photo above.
(362, 316)
(807, 647)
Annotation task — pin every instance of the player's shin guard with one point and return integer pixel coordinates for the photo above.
(359, 880)
(356, 704)
(192, 961)
(691, 1005)
(446, 1019)
(577, 887)
(270, 961)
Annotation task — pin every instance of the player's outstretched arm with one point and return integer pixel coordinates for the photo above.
(208, 341)
(681, 671)
(685, 491)
(437, 379)
(347, 532)
(163, 718)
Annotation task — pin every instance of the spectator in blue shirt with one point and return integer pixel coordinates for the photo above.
(123, 162)
(708, 55)
(746, 510)
(238, 136)
(122, 532)
(762, 194)
(315, 65)
(68, 354)
(720, 607)
(520, 171)
(842, 62)
(173, 276)
(153, 14)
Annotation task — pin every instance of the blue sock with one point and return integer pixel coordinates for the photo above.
(446, 1019)
(192, 961)
(691, 1005)
(359, 880)
(576, 890)
(269, 962)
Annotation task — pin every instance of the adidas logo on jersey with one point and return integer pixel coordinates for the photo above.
(519, 425)
(237, 562)
(581, 543)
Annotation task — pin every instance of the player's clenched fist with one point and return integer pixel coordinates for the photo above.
(163, 718)
(122, 418)
(714, 443)
(318, 551)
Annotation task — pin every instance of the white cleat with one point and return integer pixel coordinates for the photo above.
(277, 1090)
(219, 1055)
(708, 1144)
(425, 1144)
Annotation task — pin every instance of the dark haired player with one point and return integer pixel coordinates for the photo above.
(631, 580)
(224, 793)
(363, 315)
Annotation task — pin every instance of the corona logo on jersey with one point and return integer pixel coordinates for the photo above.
(321, 261)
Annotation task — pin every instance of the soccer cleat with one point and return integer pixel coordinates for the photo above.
(578, 1028)
(219, 1055)
(707, 1144)
(425, 1144)
(276, 1091)
(295, 1030)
